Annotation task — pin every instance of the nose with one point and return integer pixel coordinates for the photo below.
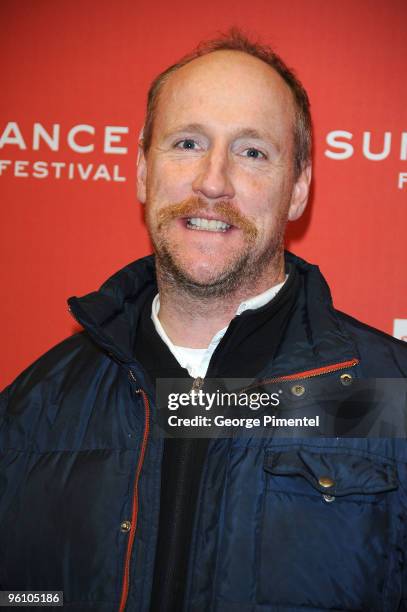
(213, 178)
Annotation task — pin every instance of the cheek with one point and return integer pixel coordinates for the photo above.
(268, 200)
(255, 188)
(169, 182)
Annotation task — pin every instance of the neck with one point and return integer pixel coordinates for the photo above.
(192, 321)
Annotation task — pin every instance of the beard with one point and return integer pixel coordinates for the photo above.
(245, 268)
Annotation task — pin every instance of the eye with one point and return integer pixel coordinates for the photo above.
(186, 144)
(254, 153)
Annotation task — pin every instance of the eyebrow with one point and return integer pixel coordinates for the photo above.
(249, 133)
(190, 127)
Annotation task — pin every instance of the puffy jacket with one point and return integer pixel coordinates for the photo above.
(80, 474)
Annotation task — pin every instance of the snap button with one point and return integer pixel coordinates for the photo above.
(346, 379)
(125, 526)
(329, 498)
(298, 390)
(326, 482)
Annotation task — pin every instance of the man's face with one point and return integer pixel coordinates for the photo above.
(218, 179)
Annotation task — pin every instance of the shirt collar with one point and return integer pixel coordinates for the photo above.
(250, 304)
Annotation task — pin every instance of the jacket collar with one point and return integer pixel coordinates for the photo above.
(314, 338)
(110, 315)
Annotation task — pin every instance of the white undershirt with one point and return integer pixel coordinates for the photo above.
(196, 360)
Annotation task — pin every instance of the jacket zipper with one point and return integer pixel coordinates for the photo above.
(316, 371)
(197, 384)
(134, 516)
(335, 367)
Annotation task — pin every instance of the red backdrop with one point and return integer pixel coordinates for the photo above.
(74, 79)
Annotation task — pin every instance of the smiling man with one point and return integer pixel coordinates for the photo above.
(219, 175)
(93, 504)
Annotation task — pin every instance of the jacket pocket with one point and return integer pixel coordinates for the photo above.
(329, 530)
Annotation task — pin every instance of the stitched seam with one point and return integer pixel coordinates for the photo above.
(335, 451)
(125, 587)
(267, 449)
(343, 499)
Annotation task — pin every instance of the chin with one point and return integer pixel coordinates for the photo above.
(203, 279)
(204, 273)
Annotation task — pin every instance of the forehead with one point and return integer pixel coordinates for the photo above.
(226, 89)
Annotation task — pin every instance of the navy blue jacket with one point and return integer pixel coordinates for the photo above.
(80, 474)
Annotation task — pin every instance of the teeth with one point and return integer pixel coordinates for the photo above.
(211, 225)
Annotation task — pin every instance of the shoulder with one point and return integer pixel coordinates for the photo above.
(381, 355)
(72, 361)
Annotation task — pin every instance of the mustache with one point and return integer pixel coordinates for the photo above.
(194, 206)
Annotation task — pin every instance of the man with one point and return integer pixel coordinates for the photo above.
(93, 504)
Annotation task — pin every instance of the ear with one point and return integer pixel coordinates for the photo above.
(141, 171)
(300, 194)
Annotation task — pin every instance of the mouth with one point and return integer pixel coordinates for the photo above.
(207, 225)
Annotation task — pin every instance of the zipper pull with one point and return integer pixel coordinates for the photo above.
(134, 380)
(197, 384)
